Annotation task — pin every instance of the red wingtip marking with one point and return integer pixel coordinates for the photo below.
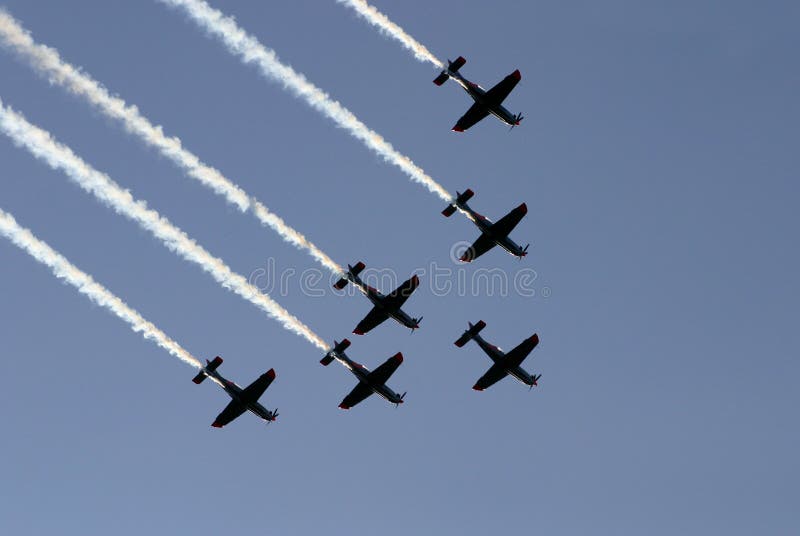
(458, 129)
(415, 280)
(215, 424)
(398, 357)
(358, 331)
(344, 406)
(465, 258)
(516, 74)
(271, 373)
(523, 208)
(477, 388)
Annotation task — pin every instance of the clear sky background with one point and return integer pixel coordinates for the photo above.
(659, 161)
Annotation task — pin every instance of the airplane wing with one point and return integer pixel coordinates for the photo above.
(493, 375)
(373, 318)
(507, 223)
(475, 113)
(359, 393)
(382, 374)
(500, 91)
(483, 244)
(515, 357)
(231, 411)
(399, 296)
(254, 391)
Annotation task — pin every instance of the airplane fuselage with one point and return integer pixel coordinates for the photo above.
(478, 94)
(485, 225)
(499, 357)
(362, 374)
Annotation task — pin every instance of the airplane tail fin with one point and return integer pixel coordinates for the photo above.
(470, 333)
(211, 366)
(459, 200)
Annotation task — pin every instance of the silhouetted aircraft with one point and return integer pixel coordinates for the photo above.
(368, 382)
(486, 102)
(385, 306)
(504, 363)
(492, 233)
(242, 399)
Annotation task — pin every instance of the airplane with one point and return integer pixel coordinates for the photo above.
(243, 399)
(486, 102)
(385, 305)
(368, 382)
(492, 233)
(504, 363)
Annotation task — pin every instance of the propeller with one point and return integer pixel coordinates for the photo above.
(416, 324)
(397, 404)
(274, 415)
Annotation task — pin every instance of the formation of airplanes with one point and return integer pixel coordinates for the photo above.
(385, 306)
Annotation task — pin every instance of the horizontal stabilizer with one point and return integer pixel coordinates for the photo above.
(459, 200)
(210, 367)
(352, 271)
(456, 65)
(441, 79)
(338, 348)
(470, 333)
(358, 268)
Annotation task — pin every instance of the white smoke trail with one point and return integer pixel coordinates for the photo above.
(249, 49)
(387, 27)
(48, 62)
(63, 269)
(39, 143)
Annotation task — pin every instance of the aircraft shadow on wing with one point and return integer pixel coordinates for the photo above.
(492, 233)
(504, 363)
(384, 306)
(486, 102)
(368, 381)
(241, 399)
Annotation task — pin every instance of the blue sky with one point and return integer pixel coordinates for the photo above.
(658, 159)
